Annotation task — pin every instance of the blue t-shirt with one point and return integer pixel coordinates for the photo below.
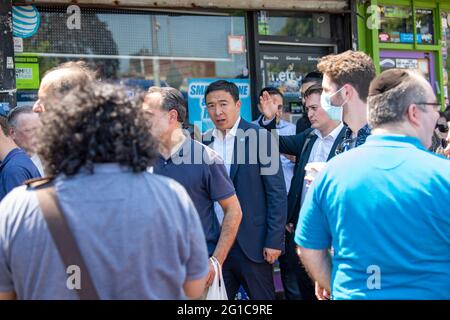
(201, 172)
(15, 169)
(383, 207)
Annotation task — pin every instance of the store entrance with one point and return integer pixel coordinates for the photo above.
(284, 67)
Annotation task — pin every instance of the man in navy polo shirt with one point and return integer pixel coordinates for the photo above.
(198, 168)
(15, 166)
(381, 206)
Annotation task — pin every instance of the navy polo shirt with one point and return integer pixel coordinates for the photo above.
(201, 171)
(15, 169)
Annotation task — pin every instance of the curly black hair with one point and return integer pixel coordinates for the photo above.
(95, 123)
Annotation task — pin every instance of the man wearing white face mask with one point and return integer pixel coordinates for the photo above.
(346, 80)
(315, 145)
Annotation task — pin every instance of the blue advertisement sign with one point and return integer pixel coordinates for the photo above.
(409, 37)
(198, 114)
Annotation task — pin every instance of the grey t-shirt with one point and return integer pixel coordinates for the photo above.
(139, 234)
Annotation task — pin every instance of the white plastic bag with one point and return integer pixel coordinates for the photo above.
(217, 290)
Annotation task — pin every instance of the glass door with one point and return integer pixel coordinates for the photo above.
(284, 67)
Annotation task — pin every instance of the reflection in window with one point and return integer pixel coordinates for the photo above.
(140, 47)
(302, 26)
(285, 71)
(395, 24)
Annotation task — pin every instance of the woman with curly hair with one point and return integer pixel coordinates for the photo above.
(98, 145)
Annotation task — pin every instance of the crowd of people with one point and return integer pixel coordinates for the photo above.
(104, 195)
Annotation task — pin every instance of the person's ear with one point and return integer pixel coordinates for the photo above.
(238, 104)
(173, 116)
(349, 92)
(11, 132)
(413, 115)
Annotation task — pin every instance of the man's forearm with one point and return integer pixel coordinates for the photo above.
(318, 265)
(230, 226)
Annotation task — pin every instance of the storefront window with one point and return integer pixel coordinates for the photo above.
(311, 25)
(395, 24)
(424, 24)
(136, 48)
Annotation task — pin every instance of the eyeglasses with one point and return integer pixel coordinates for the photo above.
(436, 106)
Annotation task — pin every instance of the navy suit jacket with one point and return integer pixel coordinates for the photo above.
(295, 145)
(262, 197)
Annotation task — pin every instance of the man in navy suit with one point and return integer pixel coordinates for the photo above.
(253, 163)
(316, 144)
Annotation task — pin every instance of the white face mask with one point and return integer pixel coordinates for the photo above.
(334, 112)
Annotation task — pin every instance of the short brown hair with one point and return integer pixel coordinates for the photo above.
(350, 67)
(391, 93)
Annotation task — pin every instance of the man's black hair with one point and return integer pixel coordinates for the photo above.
(313, 76)
(226, 86)
(314, 89)
(271, 91)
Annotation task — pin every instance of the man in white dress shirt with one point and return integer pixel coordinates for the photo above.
(253, 164)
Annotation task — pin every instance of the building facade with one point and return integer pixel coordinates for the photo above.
(408, 34)
(183, 44)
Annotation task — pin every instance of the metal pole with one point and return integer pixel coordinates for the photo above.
(7, 69)
(155, 52)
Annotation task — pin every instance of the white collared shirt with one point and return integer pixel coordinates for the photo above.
(322, 146)
(224, 146)
(37, 162)
(321, 150)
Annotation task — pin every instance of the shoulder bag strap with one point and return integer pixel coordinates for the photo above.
(64, 240)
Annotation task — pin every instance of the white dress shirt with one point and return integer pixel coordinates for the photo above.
(37, 162)
(321, 150)
(224, 146)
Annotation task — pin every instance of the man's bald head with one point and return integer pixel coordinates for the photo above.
(61, 79)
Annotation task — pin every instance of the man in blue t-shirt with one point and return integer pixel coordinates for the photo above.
(15, 165)
(380, 207)
(197, 168)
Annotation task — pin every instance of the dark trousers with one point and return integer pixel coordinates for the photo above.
(256, 278)
(296, 282)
